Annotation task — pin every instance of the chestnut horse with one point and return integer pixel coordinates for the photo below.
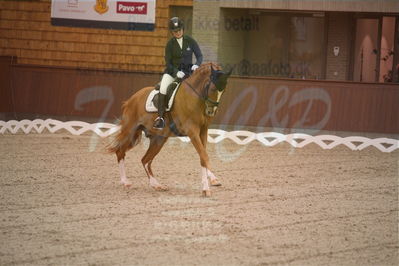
(195, 104)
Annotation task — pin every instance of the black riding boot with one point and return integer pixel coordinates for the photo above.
(159, 122)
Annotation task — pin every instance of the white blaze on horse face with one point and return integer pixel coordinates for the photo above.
(204, 179)
(220, 93)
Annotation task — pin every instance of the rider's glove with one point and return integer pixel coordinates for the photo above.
(194, 67)
(180, 74)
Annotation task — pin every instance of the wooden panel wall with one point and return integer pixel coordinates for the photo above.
(26, 32)
(74, 93)
(306, 104)
(5, 85)
(249, 102)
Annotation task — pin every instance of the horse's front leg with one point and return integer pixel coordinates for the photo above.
(204, 140)
(197, 143)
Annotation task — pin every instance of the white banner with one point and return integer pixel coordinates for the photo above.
(110, 14)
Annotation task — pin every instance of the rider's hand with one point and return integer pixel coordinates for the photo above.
(180, 74)
(194, 67)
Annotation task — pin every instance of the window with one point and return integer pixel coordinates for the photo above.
(395, 68)
(277, 44)
(306, 47)
(375, 53)
(366, 50)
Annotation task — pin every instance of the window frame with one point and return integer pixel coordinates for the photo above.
(379, 17)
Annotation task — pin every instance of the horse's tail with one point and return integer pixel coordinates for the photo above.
(123, 142)
(129, 134)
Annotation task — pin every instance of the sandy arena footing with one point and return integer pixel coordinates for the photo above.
(61, 204)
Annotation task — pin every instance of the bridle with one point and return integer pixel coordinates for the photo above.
(209, 103)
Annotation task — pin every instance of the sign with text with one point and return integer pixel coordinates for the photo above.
(108, 14)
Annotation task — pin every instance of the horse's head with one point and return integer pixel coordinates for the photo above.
(215, 89)
(209, 83)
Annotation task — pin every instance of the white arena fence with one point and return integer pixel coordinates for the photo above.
(240, 137)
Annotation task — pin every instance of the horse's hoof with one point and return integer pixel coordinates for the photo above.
(127, 185)
(161, 188)
(215, 183)
(206, 193)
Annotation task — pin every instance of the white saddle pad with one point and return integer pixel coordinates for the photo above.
(149, 105)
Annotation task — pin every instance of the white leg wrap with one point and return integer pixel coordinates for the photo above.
(165, 82)
(122, 172)
(204, 179)
(210, 175)
(153, 181)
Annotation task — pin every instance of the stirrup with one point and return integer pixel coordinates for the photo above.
(159, 123)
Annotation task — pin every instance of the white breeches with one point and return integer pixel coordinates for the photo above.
(165, 82)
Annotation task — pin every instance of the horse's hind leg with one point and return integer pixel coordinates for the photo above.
(121, 152)
(156, 144)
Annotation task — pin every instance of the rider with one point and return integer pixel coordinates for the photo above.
(178, 58)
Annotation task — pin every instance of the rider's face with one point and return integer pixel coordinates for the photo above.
(177, 34)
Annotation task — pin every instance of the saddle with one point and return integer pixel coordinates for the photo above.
(152, 103)
(152, 99)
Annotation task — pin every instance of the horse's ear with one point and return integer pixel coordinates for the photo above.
(225, 76)
(213, 71)
(230, 71)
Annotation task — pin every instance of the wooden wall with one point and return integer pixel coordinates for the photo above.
(308, 104)
(248, 102)
(5, 85)
(62, 92)
(26, 32)
(78, 72)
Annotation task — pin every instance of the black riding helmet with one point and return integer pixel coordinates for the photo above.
(175, 24)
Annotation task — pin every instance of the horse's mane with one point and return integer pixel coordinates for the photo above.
(207, 67)
(203, 71)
